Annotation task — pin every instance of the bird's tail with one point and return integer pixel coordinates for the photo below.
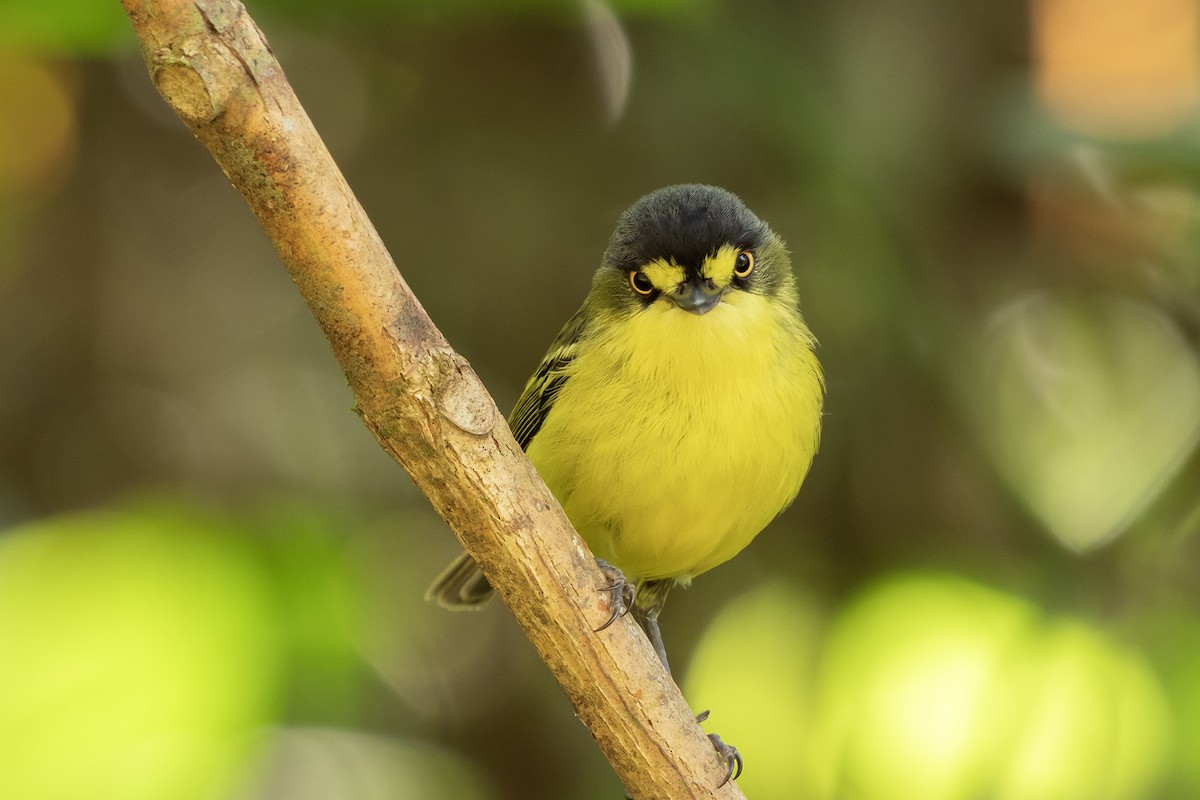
(460, 586)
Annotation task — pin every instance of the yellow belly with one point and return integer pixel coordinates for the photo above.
(676, 440)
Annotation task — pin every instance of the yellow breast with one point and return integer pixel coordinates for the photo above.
(678, 437)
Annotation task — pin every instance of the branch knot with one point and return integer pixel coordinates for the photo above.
(194, 77)
(463, 400)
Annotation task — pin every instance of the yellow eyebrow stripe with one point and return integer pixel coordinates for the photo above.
(663, 274)
(666, 275)
(718, 268)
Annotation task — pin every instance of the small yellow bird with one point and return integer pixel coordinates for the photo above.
(679, 409)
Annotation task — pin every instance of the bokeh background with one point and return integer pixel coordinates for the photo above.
(211, 577)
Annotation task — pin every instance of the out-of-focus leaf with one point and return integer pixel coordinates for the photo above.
(1091, 720)
(1087, 408)
(907, 689)
(939, 689)
(139, 654)
(753, 668)
(614, 58)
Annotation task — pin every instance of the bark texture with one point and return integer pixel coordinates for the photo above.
(420, 399)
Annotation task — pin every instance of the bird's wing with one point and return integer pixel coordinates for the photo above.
(538, 397)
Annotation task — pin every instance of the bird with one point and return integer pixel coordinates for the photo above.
(679, 409)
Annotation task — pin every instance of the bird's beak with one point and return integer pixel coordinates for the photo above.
(697, 295)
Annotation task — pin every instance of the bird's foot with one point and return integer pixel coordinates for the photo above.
(620, 593)
(728, 753)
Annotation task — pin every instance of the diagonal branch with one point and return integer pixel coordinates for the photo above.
(418, 397)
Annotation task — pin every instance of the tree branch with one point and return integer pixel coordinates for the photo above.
(418, 397)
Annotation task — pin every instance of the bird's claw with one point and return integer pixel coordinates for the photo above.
(619, 590)
(728, 753)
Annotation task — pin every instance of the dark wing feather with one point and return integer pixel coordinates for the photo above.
(538, 398)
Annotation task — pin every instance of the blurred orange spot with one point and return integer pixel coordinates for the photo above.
(1118, 67)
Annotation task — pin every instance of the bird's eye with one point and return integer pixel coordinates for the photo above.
(743, 265)
(640, 283)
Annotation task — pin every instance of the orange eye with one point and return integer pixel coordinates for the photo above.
(640, 283)
(743, 265)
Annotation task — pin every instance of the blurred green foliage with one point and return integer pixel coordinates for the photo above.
(64, 27)
(211, 577)
(930, 686)
(147, 663)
